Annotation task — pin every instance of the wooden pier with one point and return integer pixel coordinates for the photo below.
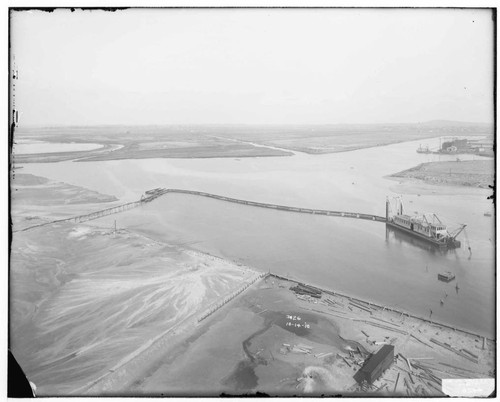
(153, 194)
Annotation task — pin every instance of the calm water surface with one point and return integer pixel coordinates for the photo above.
(355, 257)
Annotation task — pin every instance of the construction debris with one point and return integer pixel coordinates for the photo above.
(323, 355)
(395, 385)
(469, 353)
(306, 291)
(422, 342)
(451, 349)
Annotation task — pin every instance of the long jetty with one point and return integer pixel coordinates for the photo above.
(356, 215)
(153, 194)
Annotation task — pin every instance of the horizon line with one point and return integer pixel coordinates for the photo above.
(52, 125)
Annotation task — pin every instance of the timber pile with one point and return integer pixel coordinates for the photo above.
(419, 378)
(306, 291)
(351, 303)
(376, 324)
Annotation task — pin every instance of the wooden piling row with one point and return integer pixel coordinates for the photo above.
(228, 298)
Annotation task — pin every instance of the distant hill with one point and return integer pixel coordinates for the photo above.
(453, 123)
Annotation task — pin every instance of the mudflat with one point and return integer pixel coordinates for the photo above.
(85, 300)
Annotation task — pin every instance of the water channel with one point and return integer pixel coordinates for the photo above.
(354, 257)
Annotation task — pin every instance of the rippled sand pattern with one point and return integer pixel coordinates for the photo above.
(80, 308)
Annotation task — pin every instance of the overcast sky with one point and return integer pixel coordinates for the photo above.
(195, 66)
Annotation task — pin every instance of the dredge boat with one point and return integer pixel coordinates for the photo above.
(427, 226)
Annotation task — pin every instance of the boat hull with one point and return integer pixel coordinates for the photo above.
(449, 244)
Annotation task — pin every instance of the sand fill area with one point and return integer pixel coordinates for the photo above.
(270, 341)
(84, 301)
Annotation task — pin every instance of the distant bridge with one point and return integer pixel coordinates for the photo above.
(153, 194)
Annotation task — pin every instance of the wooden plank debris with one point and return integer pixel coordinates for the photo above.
(346, 361)
(422, 342)
(395, 385)
(375, 324)
(451, 349)
(360, 307)
(323, 355)
(431, 385)
(457, 368)
(469, 353)
(387, 322)
(407, 362)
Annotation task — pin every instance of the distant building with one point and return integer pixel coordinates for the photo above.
(375, 365)
(452, 147)
(465, 146)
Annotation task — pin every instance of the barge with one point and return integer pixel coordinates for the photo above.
(446, 276)
(427, 227)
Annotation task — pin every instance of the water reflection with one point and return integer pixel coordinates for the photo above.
(395, 236)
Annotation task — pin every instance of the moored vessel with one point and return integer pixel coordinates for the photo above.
(446, 276)
(422, 150)
(427, 226)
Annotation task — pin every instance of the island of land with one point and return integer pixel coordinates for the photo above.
(472, 173)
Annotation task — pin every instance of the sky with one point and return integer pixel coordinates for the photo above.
(253, 66)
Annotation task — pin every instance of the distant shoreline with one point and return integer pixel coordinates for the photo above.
(246, 141)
